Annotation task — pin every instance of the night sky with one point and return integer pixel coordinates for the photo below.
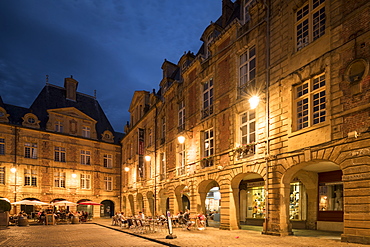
(112, 46)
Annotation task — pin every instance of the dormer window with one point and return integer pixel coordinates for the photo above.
(59, 126)
(107, 136)
(31, 120)
(86, 131)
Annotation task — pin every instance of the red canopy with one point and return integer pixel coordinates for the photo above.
(89, 203)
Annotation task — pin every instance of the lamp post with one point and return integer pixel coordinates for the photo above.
(14, 170)
(148, 158)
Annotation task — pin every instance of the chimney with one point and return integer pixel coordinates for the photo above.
(227, 11)
(70, 85)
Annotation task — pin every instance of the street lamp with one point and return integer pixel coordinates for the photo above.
(181, 139)
(14, 170)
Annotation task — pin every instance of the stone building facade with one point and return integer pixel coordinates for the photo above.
(62, 148)
(297, 159)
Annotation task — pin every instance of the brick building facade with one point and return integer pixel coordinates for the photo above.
(300, 159)
(62, 148)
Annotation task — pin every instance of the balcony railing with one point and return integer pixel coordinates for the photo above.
(180, 171)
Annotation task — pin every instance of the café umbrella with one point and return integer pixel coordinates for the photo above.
(89, 203)
(30, 202)
(63, 203)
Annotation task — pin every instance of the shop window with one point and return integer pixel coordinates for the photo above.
(297, 203)
(331, 197)
(256, 202)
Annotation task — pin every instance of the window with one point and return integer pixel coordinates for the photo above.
(163, 132)
(59, 179)
(331, 197)
(181, 159)
(108, 160)
(59, 126)
(60, 154)
(85, 181)
(86, 131)
(310, 102)
(30, 150)
(208, 148)
(85, 157)
(310, 22)
(31, 120)
(2, 175)
(30, 177)
(108, 182)
(162, 166)
(248, 127)
(2, 146)
(208, 98)
(247, 5)
(247, 68)
(181, 115)
(150, 138)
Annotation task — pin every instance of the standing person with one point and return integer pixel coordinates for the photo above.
(202, 221)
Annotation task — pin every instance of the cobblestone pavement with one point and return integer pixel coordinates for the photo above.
(69, 235)
(100, 232)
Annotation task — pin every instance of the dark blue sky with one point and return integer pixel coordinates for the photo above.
(112, 46)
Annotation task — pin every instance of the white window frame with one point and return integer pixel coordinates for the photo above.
(310, 103)
(86, 131)
(85, 181)
(247, 127)
(59, 126)
(85, 157)
(181, 116)
(208, 147)
(310, 22)
(108, 183)
(162, 164)
(59, 179)
(207, 100)
(59, 154)
(107, 160)
(163, 132)
(30, 150)
(246, 6)
(248, 68)
(2, 174)
(181, 158)
(30, 177)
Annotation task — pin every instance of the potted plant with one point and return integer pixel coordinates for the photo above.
(4, 212)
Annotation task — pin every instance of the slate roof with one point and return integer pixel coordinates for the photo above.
(54, 97)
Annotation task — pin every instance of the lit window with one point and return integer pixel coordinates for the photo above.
(108, 181)
(2, 175)
(207, 98)
(30, 177)
(108, 161)
(310, 22)
(310, 102)
(248, 127)
(181, 115)
(247, 68)
(208, 148)
(181, 159)
(60, 154)
(85, 181)
(85, 157)
(2, 146)
(86, 132)
(60, 179)
(30, 150)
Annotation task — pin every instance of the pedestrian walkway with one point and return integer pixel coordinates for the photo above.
(253, 237)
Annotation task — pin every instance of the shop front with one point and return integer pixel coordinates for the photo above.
(252, 202)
